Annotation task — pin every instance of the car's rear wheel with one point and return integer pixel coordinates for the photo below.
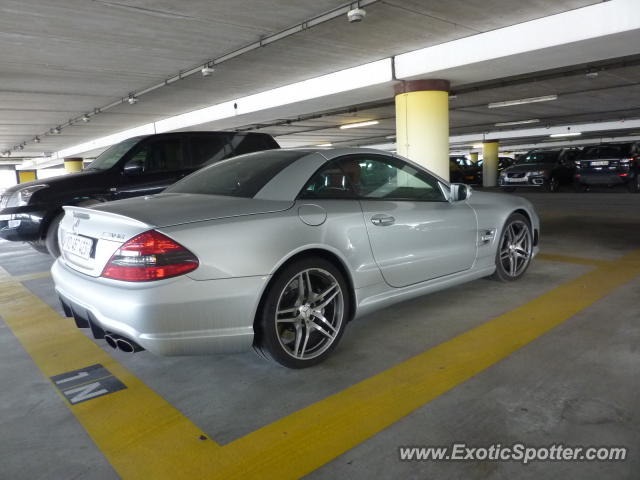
(515, 249)
(39, 247)
(51, 239)
(553, 185)
(634, 184)
(303, 314)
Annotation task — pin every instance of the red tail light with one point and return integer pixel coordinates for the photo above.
(149, 256)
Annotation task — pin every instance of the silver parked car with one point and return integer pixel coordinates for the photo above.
(279, 250)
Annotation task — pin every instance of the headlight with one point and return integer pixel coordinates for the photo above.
(22, 196)
(503, 173)
(538, 172)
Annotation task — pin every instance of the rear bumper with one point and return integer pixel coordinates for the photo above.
(22, 224)
(178, 316)
(604, 178)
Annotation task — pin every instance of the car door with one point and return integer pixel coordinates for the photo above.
(415, 233)
(152, 167)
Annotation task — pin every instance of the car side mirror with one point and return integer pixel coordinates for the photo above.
(459, 192)
(132, 169)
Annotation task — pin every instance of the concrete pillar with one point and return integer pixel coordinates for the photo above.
(73, 164)
(24, 176)
(490, 163)
(422, 123)
(474, 157)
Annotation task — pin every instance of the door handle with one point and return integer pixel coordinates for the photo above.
(382, 220)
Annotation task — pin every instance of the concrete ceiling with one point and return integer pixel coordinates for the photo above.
(614, 94)
(61, 59)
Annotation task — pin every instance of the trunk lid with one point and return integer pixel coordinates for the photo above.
(90, 236)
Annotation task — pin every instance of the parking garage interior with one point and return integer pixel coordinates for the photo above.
(549, 360)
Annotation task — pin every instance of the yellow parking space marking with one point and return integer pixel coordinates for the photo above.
(23, 278)
(551, 257)
(143, 436)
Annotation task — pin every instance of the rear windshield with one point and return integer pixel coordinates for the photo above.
(606, 151)
(548, 156)
(242, 176)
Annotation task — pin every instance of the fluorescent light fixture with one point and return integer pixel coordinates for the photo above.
(568, 134)
(390, 137)
(324, 144)
(517, 122)
(522, 101)
(477, 145)
(359, 124)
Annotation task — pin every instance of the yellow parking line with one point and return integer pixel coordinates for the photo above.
(23, 278)
(144, 437)
(141, 434)
(552, 257)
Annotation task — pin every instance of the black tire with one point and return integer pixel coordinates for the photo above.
(274, 338)
(51, 238)
(552, 185)
(39, 247)
(502, 274)
(508, 189)
(633, 185)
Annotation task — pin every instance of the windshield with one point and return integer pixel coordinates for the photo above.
(548, 156)
(111, 155)
(607, 151)
(242, 176)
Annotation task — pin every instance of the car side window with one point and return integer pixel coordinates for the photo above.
(208, 149)
(330, 182)
(158, 156)
(377, 177)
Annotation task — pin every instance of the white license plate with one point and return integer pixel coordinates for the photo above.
(599, 163)
(517, 180)
(80, 246)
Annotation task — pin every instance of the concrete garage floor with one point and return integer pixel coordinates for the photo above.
(576, 384)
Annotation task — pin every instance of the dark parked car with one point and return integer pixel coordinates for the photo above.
(30, 212)
(462, 169)
(473, 174)
(548, 169)
(609, 165)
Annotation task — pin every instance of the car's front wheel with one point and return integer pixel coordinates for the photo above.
(303, 314)
(515, 249)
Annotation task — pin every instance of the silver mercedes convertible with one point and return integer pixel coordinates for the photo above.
(279, 250)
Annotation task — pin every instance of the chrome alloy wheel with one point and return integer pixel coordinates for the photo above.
(516, 248)
(309, 313)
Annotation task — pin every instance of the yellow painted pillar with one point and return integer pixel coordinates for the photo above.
(25, 176)
(490, 163)
(474, 157)
(422, 123)
(72, 165)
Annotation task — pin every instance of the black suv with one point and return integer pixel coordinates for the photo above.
(609, 165)
(548, 169)
(30, 212)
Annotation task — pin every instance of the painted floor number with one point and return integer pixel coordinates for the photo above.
(87, 383)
